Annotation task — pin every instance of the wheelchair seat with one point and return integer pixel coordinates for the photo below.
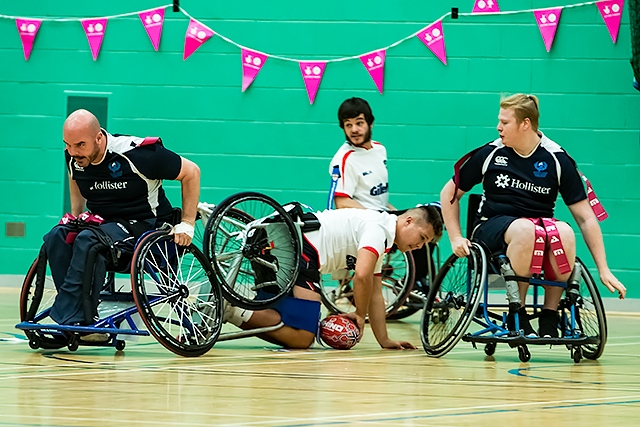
(462, 304)
(172, 291)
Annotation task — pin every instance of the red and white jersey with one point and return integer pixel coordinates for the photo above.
(343, 232)
(363, 175)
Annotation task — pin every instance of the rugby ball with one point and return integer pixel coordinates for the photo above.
(339, 332)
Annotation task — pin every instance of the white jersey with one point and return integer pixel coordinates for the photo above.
(344, 232)
(363, 175)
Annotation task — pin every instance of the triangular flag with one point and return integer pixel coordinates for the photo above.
(94, 29)
(374, 63)
(252, 63)
(152, 21)
(611, 11)
(433, 38)
(312, 73)
(197, 34)
(28, 28)
(548, 20)
(485, 6)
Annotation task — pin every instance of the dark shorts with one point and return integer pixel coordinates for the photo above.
(299, 313)
(491, 232)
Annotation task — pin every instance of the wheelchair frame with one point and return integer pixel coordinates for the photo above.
(169, 289)
(55, 336)
(580, 306)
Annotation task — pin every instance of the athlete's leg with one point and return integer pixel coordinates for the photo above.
(549, 319)
(520, 237)
(68, 308)
(286, 336)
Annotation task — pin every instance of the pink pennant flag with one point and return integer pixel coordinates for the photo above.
(548, 20)
(197, 34)
(312, 75)
(485, 6)
(374, 63)
(252, 63)
(611, 11)
(28, 28)
(94, 29)
(152, 21)
(433, 38)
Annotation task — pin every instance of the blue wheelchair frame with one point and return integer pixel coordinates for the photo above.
(53, 335)
(493, 333)
(473, 298)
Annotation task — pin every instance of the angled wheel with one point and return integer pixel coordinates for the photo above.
(452, 302)
(426, 268)
(590, 315)
(36, 298)
(177, 297)
(38, 291)
(254, 248)
(398, 276)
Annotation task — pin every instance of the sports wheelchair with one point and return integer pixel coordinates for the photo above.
(172, 293)
(463, 295)
(178, 291)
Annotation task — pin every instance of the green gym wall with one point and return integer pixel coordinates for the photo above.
(270, 139)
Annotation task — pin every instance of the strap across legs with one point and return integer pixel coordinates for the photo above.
(555, 244)
(546, 231)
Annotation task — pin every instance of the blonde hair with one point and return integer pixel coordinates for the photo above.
(524, 107)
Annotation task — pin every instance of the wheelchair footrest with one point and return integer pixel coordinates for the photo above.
(249, 333)
(522, 340)
(55, 328)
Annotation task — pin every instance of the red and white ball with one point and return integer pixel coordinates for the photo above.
(339, 332)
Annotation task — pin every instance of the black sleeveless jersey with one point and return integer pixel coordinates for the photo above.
(127, 183)
(522, 186)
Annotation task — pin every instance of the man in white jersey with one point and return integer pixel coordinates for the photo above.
(360, 166)
(347, 238)
(361, 163)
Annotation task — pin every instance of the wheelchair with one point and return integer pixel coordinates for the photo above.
(171, 293)
(463, 306)
(250, 256)
(253, 245)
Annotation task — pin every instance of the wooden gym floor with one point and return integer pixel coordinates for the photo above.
(252, 383)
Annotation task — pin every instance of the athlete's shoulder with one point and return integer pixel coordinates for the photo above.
(549, 145)
(121, 144)
(378, 147)
(556, 150)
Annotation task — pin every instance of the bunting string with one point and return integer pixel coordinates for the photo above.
(432, 36)
(284, 58)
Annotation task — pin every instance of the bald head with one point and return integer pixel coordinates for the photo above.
(82, 120)
(83, 138)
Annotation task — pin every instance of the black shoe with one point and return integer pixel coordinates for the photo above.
(523, 320)
(548, 321)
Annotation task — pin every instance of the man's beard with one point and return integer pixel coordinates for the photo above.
(367, 138)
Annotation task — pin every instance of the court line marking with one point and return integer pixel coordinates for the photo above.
(228, 361)
(377, 417)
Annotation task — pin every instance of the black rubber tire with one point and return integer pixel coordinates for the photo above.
(182, 309)
(453, 301)
(232, 248)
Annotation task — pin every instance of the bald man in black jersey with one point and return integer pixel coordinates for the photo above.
(118, 178)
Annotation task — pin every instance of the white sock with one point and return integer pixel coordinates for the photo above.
(237, 316)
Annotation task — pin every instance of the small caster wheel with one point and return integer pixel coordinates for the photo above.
(120, 344)
(34, 343)
(490, 349)
(577, 354)
(74, 342)
(524, 354)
